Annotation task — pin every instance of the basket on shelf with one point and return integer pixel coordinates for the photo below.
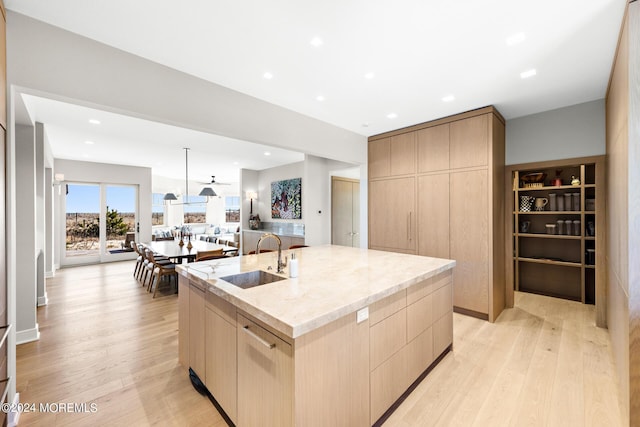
(533, 180)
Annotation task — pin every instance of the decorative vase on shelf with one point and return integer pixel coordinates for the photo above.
(254, 222)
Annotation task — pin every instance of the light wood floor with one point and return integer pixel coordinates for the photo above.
(104, 340)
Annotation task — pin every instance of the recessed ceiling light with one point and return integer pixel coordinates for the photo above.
(320, 98)
(392, 115)
(369, 76)
(528, 73)
(267, 75)
(316, 41)
(448, 98)
(236, 163)
(94, 121)
(267, 153)
(514, 39)
(365, 125)
(89, 142)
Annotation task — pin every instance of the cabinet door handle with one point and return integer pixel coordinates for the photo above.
(258, 338)
(407, 227)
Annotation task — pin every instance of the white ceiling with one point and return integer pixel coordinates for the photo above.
(131, 141)
(418, 52)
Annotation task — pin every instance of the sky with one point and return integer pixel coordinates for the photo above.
(86, 198)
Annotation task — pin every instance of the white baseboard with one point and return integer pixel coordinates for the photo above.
(56, 267)
(44, 300)
(49, 274)
(23, 337)
(14, 417)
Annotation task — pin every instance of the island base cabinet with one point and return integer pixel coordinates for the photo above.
(196, 331)
(183, 321)
(265, 377)
(388, 382)
(221, 364)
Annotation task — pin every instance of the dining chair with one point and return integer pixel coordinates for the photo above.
(206, 255)
(149, 264)
(298, 246)
(212, 239)
(262, 251)
(139, 260)
(160, 270)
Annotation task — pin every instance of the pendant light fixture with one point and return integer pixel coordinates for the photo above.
(206, 191)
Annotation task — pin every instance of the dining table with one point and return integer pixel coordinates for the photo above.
(172, 250)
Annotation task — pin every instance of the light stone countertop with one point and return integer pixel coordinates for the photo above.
(333, 281)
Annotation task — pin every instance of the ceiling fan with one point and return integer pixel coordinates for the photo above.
(214, 182)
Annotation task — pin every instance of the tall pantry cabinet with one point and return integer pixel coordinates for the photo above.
(435, 189)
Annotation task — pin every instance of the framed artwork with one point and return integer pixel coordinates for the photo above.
(286, 199)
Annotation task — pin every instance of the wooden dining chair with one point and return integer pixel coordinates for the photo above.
(149, 265)
(160, 270)
(206, 255)
(139, 260)
(212, 239)
(262, 251)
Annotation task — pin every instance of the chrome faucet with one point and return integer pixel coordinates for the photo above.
(281, 264)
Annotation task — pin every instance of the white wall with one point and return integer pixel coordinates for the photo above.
(316, 201)
(248, 182)
(574, 131)
(40, 212)
(72, 67)
(26, 273)
(265, 178)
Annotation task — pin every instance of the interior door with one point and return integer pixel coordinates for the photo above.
(345, 212)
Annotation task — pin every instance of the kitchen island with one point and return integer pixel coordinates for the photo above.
(338, 345)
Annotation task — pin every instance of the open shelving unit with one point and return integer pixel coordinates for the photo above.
(540, 260)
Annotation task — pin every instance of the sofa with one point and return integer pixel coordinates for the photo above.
(222, 231)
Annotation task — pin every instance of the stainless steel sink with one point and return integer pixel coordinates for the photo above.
(251, 279)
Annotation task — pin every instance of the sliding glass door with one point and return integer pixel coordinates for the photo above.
(82, 228)
(121, 219)
(101, 221)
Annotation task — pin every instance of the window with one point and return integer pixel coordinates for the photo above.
(157, 209)
(196, 213)
(232, 208)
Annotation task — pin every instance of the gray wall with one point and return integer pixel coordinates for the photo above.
(574, 131)
(26, 273)
(40, 213)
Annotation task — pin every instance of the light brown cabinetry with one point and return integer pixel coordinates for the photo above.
(433, 208)
(433, 148)
(197, 330)
(456, 206)
(559, 248)
(392, 217)
(5, 356)
(393, 156)
(469, 142)
(265, 377)
(469, 227)
(408, 331)
(221, 353)
(183, 320)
